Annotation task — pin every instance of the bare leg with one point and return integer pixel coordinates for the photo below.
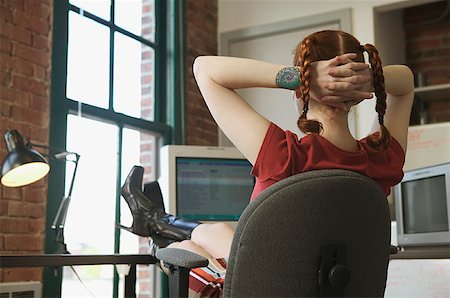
(215, 239)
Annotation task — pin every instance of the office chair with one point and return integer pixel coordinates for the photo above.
(322, 233)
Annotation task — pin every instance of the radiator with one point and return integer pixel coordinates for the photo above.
(31, 289)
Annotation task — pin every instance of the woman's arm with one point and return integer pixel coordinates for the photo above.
(399, 86)
(217, 77)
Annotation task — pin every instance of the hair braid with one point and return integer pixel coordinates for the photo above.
(303, 60)
(378, 142)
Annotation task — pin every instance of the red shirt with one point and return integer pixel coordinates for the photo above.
(282, 155)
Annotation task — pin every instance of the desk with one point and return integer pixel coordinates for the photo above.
(77, 260)
(423, 252)
(419, 272)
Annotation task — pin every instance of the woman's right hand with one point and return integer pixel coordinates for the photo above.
(341, 82)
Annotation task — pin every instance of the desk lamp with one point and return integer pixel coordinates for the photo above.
(23, 165)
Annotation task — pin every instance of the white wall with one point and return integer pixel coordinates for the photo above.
(239, 14)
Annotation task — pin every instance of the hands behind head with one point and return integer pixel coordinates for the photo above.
(341, 82)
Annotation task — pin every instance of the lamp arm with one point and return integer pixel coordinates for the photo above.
(77, 158)
(60, 154)
(61, 215)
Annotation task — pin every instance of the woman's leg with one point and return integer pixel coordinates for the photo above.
(215, 239)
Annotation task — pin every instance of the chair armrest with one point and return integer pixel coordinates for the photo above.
(181, 258)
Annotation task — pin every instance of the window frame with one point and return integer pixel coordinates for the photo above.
(169, 49)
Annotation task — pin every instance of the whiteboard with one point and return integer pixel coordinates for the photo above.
(428, 145)
(428, 278)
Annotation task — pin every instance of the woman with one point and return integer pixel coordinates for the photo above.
(328, 77)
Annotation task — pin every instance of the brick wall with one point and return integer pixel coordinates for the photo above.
(427, 32)
(25, 55)
(201, 39)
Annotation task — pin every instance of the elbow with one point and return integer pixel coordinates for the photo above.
(409, 78)
(199, 67)
(399, 79)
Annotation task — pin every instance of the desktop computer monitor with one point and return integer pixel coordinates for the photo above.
(205, 183)
(422, 204)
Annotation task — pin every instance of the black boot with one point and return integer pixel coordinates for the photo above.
(140, 207)
(149, 218)
(152, 191)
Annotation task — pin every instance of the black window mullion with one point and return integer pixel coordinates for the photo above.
(110, 24)
(118, 118)
(118, 209)
(111, 58)
(58, 122)
(65, 106)
(160, 65)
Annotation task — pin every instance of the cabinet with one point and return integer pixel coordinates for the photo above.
(414, 33)
(433, 93)
(424, 97)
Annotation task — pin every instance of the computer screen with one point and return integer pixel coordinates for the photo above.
(212, 188)
(205, 183)
(422, 206)
(425, 205)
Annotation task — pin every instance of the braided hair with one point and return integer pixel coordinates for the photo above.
(379, 141)
(325, 45)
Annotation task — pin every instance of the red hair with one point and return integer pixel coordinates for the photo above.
(325, 45)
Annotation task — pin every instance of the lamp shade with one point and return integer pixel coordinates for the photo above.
(22, 165)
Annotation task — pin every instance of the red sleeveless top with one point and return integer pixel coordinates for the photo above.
(282, 155)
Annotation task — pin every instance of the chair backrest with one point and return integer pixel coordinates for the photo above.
(278, 243)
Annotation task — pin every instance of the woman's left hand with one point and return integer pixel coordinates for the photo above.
(342, 82)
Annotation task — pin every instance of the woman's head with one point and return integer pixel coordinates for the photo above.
(325, 45)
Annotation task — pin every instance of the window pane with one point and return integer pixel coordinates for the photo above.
(136, 16)
(90, 221)
(133, 78)
(100, 8)
(88, 61)
(138, 149)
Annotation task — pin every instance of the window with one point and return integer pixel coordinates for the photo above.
(112, 101)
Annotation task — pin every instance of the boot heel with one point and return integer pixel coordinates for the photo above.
(137, 229)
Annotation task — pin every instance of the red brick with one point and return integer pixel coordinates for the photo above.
(429, 43)
(31, 54)
(5, 109)
(15, 4)
(6, 14)
(5, 78)
(5, 124)
(25, 68)
(24, 209)
(3, 207)
(12, 193)
(37, 9)
(6, 62)
(10, 225)
(23, 19)
(33, 86)
(41, 42)
(35, 194)
(36, 226)
(5, 46)
(40, 73)
(14, 96)
(7, 30)
(22, 35)
(423, 13)
(24, 242)
(22, 274)
(40, 136)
